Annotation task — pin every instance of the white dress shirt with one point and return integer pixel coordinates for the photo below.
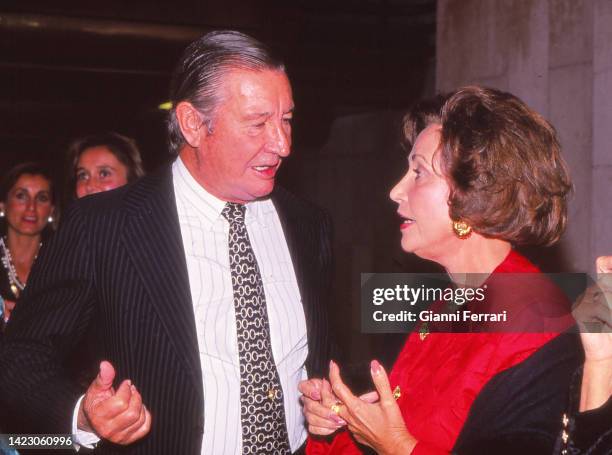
(205, 239)
(204, 233)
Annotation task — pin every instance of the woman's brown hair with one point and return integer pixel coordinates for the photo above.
(507, 176)
(503, 164)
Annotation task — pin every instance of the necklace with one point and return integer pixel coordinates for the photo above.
(15, 283)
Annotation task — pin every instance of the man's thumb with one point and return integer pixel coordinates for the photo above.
(104, 380)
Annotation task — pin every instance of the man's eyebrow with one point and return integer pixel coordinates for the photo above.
(256, 115)
(260, 115)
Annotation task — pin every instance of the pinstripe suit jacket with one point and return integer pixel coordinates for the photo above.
(116, 269)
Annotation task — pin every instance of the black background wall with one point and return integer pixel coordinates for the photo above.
(72, 67)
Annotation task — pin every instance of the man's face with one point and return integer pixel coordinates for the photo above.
(250, 135)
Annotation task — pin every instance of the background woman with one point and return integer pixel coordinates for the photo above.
(26, 212)
(102, 162)
(98, 163)
(485, 174)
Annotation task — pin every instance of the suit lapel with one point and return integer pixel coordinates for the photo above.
(299, 250)
(300, 231)
(153, 240)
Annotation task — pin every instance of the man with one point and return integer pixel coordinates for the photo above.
(204, 284)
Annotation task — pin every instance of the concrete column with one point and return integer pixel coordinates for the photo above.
(557, 56)
(601, 240)
(501, 44)
(570, 92)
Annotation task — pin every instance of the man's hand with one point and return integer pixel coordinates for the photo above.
(117, 416)
(317, 399)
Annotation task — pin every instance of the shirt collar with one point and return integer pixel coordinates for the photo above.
(209, 207)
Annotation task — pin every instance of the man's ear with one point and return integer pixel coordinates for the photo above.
(190, 122)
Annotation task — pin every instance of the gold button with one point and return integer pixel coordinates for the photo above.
(271, 393)
(423, 332)
(564, 436)
(565, 420)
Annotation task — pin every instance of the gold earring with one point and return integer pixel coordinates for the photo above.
(462, 229)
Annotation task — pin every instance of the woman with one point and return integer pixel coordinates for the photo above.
(102, 162)
(98, 163)
(26, 216)
(485, 174)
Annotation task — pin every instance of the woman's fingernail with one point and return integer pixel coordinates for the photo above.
(375, 367)
(315, 395)
(338, 420)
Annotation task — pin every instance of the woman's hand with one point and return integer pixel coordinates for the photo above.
(379, 425)
(318, 399)
(594, 314)
(597, 339)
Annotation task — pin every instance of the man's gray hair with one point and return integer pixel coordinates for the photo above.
(199, 74)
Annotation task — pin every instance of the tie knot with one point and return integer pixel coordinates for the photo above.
(234, 212)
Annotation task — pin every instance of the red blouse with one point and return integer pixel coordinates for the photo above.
(441, 375)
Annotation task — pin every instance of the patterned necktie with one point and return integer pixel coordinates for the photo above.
(262, 412)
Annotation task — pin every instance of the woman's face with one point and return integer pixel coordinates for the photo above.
(97, 170)
(422, 199)
(29, 204)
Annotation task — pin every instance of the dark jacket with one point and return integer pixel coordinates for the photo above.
(588, 432)
(116, 269)
(520, 410)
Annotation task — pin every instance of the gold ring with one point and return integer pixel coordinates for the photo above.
(397, 392)
(335, 408)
